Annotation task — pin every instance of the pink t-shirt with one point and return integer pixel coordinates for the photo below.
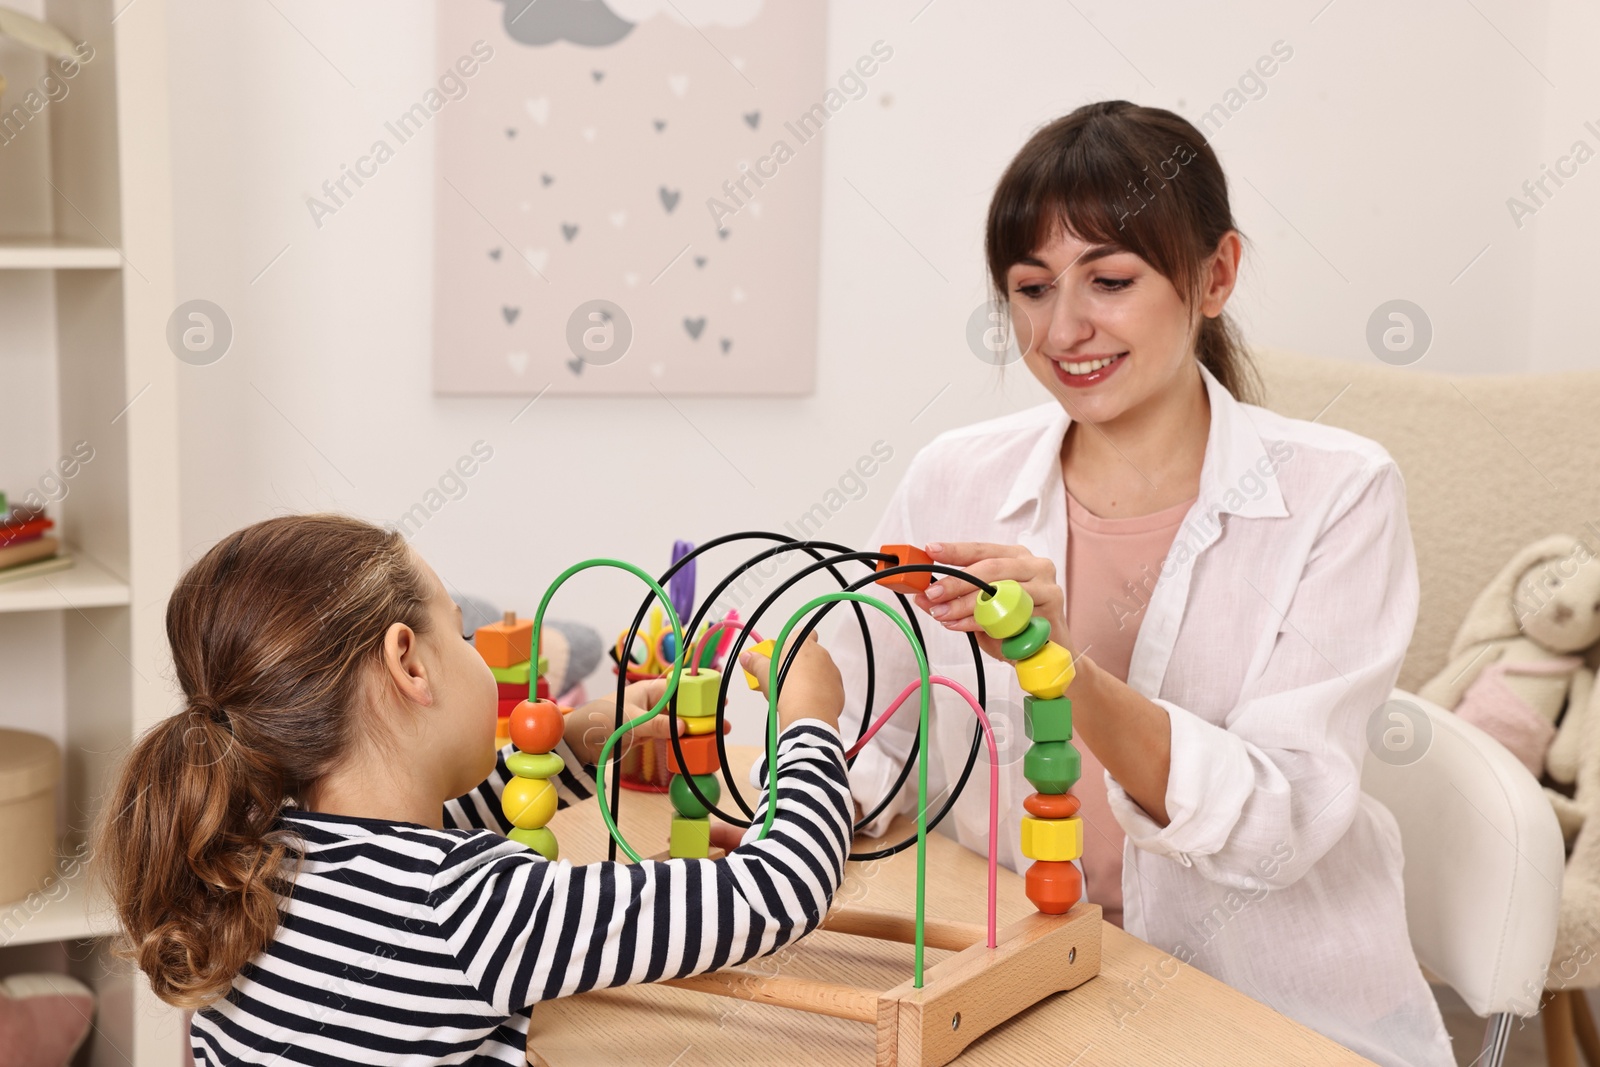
(1112, 566)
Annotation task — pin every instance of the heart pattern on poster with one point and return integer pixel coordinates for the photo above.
(694, 326)
(669, 198)
(510, 313)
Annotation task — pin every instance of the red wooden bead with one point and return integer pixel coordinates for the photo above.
(1051, 805)
(699, 755)
(537, 726)
(905, 555)
(512, 691)
(1053, 886)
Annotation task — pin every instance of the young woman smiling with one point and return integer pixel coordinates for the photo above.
(1237, 588)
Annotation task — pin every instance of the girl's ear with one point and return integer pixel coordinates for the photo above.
(403, 662)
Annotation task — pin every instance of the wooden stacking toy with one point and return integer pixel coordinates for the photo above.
(1052, 831)
(529, 799)
(506, 646)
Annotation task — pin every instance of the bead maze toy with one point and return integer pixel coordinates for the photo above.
(993, 974)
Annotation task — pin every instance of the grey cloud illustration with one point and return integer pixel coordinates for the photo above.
(584, 22)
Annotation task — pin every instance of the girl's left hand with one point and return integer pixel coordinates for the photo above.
(951, 601)
(590, 724)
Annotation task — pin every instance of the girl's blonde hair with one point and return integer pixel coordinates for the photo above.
(1142, 178)
(271, 634)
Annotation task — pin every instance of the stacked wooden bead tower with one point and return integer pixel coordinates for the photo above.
(690, 837)
(1052, 832)
(529, 798)
(534, 725)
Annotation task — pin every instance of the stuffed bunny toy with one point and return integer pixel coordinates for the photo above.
(1518, 661)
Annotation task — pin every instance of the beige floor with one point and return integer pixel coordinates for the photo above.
(1525, 1049)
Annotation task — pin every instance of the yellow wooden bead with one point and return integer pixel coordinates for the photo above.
(697, 694)
(1046, 673)
(765, 648)
(1052, 839)
(528, 802)
(695, 727)
(689, 839)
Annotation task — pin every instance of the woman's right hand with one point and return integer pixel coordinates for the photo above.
(811, 690)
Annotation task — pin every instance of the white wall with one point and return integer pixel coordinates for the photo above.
(1375, 166)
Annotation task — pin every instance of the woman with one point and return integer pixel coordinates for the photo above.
(1237, 588)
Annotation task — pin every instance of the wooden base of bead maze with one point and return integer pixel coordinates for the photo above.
(962, 997)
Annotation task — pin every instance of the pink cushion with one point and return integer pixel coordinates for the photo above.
(43, 1019)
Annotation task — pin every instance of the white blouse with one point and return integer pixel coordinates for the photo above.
(1275, 628)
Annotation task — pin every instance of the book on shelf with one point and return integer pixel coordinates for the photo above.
(21, 524)
(35, 569)
(28, 551)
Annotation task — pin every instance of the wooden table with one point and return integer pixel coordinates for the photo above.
(1144, 1008)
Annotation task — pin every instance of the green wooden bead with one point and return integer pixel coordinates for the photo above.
(697, 694)
(516, 674)
(1052, 766)
(689, 838)
(541, 841)
(535, 764)
(1047, 720)
(1006, 613)
(1029, 641)
(684, 802)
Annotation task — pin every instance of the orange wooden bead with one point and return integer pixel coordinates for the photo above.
(537, 726)
(1053, 886)
(505, 643)
(699, 755)
(905, 555)
(1051, 805)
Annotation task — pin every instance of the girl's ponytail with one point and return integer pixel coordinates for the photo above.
(273, 633)
(193, 861)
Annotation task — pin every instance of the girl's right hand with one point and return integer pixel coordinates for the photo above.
(811, 690)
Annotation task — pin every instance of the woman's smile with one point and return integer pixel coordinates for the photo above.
(1085, 371)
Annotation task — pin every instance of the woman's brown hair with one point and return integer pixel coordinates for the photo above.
(1141, 178)
(271, 634)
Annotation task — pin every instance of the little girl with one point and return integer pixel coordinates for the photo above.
(285, 855)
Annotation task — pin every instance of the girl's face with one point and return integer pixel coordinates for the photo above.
(461, 720)
(1101, 329)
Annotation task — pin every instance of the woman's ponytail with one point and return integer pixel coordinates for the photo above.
(273, 632)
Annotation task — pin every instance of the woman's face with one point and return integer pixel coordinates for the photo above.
(1100, 328)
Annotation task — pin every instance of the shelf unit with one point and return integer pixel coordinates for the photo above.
(85, 293)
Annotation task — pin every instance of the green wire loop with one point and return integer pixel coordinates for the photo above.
(672, 684)
(922, 753)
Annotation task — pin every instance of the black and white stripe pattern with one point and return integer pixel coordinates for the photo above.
(406, 945)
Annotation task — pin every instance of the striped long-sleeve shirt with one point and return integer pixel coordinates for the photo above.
(401, 944)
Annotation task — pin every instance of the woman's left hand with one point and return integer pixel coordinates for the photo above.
(951, 601)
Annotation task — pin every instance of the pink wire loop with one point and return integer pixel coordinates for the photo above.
(994, 772)
(728, 625)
